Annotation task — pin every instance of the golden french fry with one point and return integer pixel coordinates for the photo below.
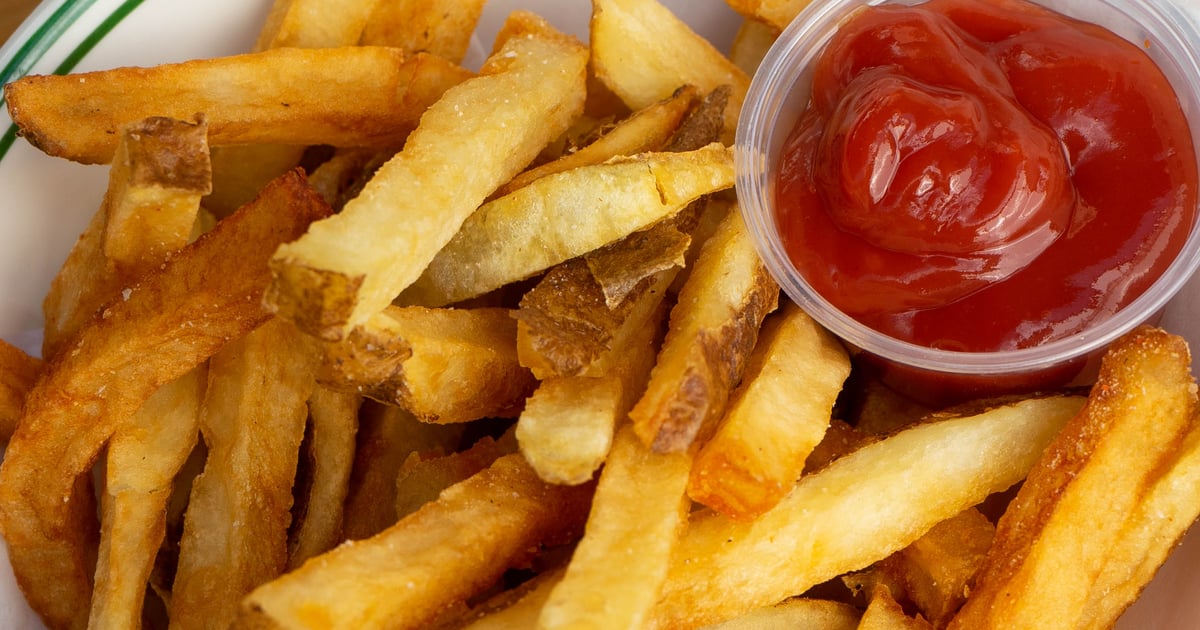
(235, 533)
(751, 43)
(479, 135)
(387, 437)
(565, 215)
(345, 96)
(160, 170)
(443, 365)
(144, 455)
(442, 554)
(173, 320)
(638, 513)
(423, 477)
(774, 419)
(723, 568)
(440, 28)
(514, 608)
(333, 419)
(647, 129)
(314, 23)
(1072, 509)
(777, 13)
(18, 371)
(798, 612)
(643, 52)
(712, 330)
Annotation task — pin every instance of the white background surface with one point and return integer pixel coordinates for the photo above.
(45, 202)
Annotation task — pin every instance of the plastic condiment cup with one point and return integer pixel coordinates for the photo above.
(778, 95)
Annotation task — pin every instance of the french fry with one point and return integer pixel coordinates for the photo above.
(479, 135)
(423, 477)
(235, 534)
(645, 130)
(158, 174)
(713, 328)
(564, 215)
(443, 365)
(1072, 509)
(144, 456)
(314, 23)
(173, 320)
(777, 13)
(346, 96)
(638, 513)
(723, 568)
(387, 437)
(643, 52)
(333, 418)
(514, 608)
(774, 420)
(798, 612)
(18, 371)
(441, 555)
(439, 28)
(885, 613)
(751, 43)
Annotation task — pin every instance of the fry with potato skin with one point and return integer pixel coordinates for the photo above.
(174, 319)
(346, 268)
(1101, 465)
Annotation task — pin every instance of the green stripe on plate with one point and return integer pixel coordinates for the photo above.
(46, 36)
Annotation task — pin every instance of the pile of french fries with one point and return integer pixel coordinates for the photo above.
(359, 338)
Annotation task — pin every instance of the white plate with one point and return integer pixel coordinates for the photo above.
(45, 202)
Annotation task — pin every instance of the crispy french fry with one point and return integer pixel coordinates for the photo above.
(1072, 509)
(723, 568)
(639, 511)
(236, 528)
(444, 365)
(18, 371)
(713, 328)
(479, 135)
(440, 28)
(643, 52)
(160, 170)
(387, 437)
(647, 129)
(346, 96)
(751, 43)
(173, 320)
(564, 215)
(423, 477)
(774, 419)
(314, 23)
(144, 456)
(333, 419)
(777, 13)
(798, 612)
(514, 608)
(444, 553)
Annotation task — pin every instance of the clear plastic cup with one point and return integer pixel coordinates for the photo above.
(777, 96)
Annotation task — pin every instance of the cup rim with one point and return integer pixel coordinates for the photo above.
(776, 78)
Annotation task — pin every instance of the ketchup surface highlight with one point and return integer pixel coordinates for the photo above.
(982, 176)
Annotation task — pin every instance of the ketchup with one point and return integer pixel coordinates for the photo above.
(984, 176)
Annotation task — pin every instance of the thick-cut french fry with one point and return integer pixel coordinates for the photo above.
(777, 13)
(885, 613)
(235, 534)
(751, 43)
(723, 568)
(423, 477)
(440, 28)
(387, 437)
(565, 215)
(444, 365)
(639, 511)
(1072, 509)
(333, 419)
(171, 321)
(346, 96)
(18, 371)
(712, 330)
(515, 608)
(314, 23)
(144, 456)
(645, 130)
(443, 554)
(160, 170)
(479, 135)
(774, 420)
(643, 52)
(798, 612)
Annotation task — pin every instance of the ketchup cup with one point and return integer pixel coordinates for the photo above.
(778, 96)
